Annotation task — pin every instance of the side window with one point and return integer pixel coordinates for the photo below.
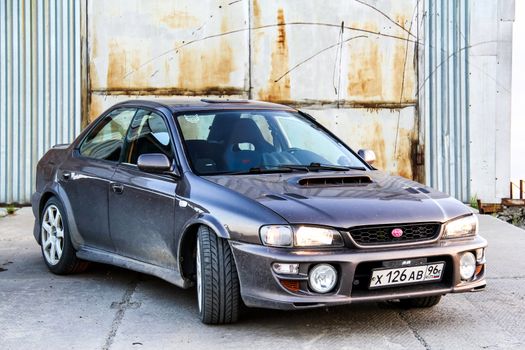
(107, 139)
(148, 133)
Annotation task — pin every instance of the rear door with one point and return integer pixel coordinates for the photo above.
(142, 205)
(85, 176)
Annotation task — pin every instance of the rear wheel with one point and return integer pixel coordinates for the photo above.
(218, 292)
(57, 250)
(422, 302)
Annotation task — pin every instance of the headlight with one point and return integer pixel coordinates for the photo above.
(463, 227)
(300, 236)
(308, 236)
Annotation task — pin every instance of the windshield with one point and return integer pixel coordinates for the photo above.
(219, 142)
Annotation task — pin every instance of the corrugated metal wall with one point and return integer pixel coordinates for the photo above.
(464, 83)
(39, 87)
(444, 83)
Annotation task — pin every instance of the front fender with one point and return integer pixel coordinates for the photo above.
(56, 190)
(187, 239)
(210, 221)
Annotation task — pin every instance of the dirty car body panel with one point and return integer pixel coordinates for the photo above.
(236, 169)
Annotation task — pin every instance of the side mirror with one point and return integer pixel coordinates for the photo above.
(368, 155)
(154, 163)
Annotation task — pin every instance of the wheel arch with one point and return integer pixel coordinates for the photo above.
(188, 242)
(55, 190)
(43, 200)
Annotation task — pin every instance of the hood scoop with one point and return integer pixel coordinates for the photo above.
(334, 181)
(416, 190)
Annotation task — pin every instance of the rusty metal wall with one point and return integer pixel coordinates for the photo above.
(388, 75)
(39, 87)
(444, 96)
(351, 64)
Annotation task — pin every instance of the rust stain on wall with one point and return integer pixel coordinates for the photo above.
(406, 153)
(402, 21)
(403, 73)
(140, 77)
(180, 20)
(376, 142)
(365, 75)
(204, 67)
(95, 109)
(278, 91)
(116, 65)
(256, 13)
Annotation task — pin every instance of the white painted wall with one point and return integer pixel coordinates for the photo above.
(490, 72)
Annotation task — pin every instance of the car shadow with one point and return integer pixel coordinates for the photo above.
(361, 316)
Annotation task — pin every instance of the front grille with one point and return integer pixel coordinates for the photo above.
(376, 235)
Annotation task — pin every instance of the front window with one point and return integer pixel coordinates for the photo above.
(222, 142)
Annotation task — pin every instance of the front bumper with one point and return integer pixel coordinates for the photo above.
(261, 287)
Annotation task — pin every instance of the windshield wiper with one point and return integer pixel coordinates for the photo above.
(288, 168)
(270, 169)
(317, 166)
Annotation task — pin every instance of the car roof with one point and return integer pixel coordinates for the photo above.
(184, 105)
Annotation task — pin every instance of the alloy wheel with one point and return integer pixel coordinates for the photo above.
(52, 235)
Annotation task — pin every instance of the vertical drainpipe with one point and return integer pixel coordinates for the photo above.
(466, 21)
(85, 86)
(429, 91)
(250, 50)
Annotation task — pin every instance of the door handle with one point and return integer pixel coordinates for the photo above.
(117, 188)
(66, 175)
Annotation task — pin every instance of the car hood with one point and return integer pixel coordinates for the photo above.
(345, 199)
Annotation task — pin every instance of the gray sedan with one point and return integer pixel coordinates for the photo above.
(253, 203)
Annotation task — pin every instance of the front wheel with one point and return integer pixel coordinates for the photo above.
(218, 292)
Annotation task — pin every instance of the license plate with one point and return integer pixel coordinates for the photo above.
(407, 275)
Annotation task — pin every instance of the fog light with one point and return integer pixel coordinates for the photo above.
(467, 266)
(287, 269)
(322, 278)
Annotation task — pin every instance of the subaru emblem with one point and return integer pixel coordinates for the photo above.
(397, 232)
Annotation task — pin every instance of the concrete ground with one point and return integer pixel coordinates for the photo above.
(109, 307)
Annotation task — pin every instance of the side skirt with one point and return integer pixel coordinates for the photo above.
(101, 256)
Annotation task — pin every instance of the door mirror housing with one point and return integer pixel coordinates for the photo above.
(368, 155)
(154, 163)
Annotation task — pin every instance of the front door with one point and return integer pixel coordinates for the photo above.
(142, 205)
(85, 177)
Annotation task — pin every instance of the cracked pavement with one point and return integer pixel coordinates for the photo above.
(112, 308)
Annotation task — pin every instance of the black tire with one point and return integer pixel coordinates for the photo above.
(423, 302)
(68, 262)
(220, 293)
